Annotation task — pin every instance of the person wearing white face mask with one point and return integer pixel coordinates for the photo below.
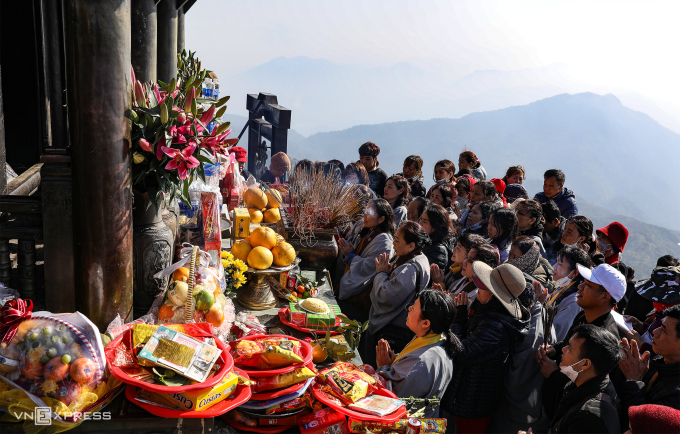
(588, 402)
(567, 279)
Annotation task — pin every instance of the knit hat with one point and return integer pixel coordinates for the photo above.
(505, 282)
(500, 185)
(528, 262)
(239, 154)
(617, 233)
(515, 191)
(280, 162)
(654, 419)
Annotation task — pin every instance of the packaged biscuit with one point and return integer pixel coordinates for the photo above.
(193, 400)
(427, 426)
(263, 384)
(266, 353)
(377, 405)
(292, 405)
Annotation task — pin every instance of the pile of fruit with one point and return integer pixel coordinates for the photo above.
(209, 301)
(263, 248)
(263, 206)
(306, 288)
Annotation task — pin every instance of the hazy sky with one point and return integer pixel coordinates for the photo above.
(631, 45)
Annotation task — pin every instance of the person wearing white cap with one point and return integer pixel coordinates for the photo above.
(602, 288)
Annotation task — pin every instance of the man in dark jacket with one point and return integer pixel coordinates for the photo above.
(552, 230)
(495, 322)
(597, 295)
(589, 404)
(655, 381)
(553, 188)
(368, 156)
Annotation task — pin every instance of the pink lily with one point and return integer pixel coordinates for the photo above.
(177, 134)
(132, 74)
(144, 144)
(159, 98)
(208, 115)
(181, 160)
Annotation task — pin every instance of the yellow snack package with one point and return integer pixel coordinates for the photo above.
(284, 380)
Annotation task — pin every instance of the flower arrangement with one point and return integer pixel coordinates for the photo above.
(171, 141)
(234, 270)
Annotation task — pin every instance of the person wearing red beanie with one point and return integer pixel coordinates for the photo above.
(240, 156)
(654, 419)
(611, 240)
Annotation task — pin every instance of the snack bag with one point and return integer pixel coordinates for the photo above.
(266, 353)
(348, 368)
(284, 380)
(292, 405)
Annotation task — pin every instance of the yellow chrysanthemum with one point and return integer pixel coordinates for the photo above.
(75, 349)
(34, 354)
(49, 386)
(225, 263)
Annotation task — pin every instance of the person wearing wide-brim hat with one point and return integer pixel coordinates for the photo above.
(486, 337)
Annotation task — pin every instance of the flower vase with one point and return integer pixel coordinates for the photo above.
(152, 251)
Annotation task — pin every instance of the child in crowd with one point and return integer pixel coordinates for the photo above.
(413, 172)
(368, 156)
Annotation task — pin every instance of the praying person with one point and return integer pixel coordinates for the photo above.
(423, 369)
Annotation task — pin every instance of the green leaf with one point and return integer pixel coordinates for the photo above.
(220, 112)
(189, 83)
(365, 326)
(154, 112)
(162, 83)
(222, 101)
(203, 159)
(132, 115)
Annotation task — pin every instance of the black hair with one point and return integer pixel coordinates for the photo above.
(488, 189)
(557, 173)
(332, 169)
(599, 346)
(487, 208)
(401, 183)
(674, 312)
(523, 243)
(415, 160)
(421, 203)
(439, 309)
(505, 222)
(462, 172)
(357, 169)
(337, 163)
(486, 254)
(575, 256)
(469, 241)
(440, 222)
(585, 229)
(463, 183)
(551, 211)
(446, 192)
(414, 233)
(535, 211)
(369, 149)
(446, 165)
(667, 261)
(304, 164)
(384, 209)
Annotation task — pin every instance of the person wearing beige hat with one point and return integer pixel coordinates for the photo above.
(487, 335)
(278, 167)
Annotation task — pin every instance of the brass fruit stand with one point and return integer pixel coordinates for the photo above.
(258, 294)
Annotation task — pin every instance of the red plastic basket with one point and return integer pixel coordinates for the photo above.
(283, 316)
(260, 428)
(323, 397)
(305, 350)
(225, 361)
(241, 395)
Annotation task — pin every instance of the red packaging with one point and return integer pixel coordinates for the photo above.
(212, 233)
(290, 420)
(232, 201)
(291, 282)
(326, 421)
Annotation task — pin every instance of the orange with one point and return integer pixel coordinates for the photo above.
(272, 215)
(263, 236)
(215, 316)
(284, 254)
(279, 239)
(255, 198)
(240, 250)
(165, 313)
(255, 215)
(274, 198)
(260, 258)
(319, 353)
(182, 273)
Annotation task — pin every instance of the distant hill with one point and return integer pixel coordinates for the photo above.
(615, 157)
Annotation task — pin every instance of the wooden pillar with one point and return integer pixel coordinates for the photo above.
(98, 49)
(144, 39)
(180, 29)
(167, 40)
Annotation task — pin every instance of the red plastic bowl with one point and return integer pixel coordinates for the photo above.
(260, 428)
(389, 418)
(224, 360)
(305, 350)
(283, 316)
(241, 395)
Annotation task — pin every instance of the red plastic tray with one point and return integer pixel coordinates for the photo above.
(398, 414)
(241, 395)
(224, 360)
(260, 428)
(283, 316)
(305, 350)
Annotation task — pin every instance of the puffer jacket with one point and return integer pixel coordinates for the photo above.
(436, 254)
(487, 335)
(565, 200)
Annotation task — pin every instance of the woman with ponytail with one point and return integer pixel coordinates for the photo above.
(423, 368)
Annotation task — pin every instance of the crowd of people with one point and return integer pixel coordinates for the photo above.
(513, 311)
